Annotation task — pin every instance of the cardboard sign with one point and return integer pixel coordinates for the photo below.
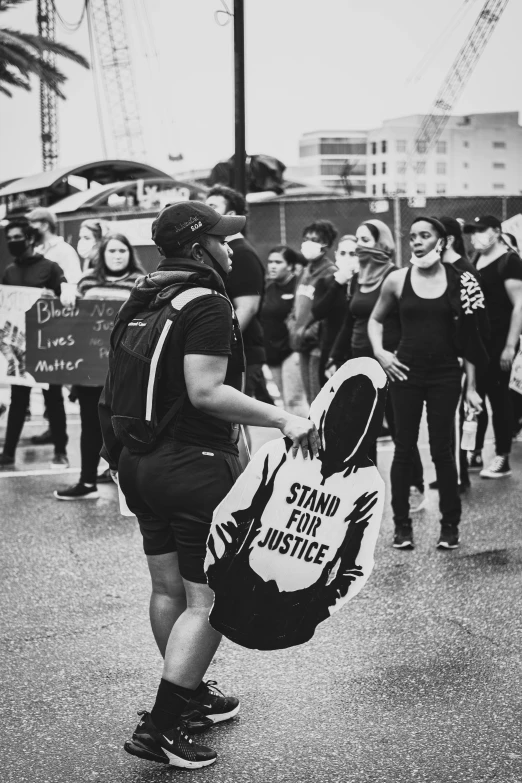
(293, 540)
(70, 345)
(15, 300)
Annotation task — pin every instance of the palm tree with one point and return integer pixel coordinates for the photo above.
(21, 56)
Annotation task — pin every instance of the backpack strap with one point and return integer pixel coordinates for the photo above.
(177, 303)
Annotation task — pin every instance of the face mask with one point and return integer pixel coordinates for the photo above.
(429, 259)
(17, 247)
(85, 247)
(483, 242)
(311, 250)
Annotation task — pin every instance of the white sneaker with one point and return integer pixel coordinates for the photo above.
(417, 500)
(498, 468)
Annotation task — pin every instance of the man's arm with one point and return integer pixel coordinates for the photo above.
(207, 391)
(246, 308)
(514, 291)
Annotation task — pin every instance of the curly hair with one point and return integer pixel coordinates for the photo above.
(325, 229)
(236, 202)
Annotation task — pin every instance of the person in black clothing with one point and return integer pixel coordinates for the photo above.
(376, 252)
(175, 486)
(500, 272)
(245, 287)
(116, 269)
(31, 269)
(438, 324)
(277, 305)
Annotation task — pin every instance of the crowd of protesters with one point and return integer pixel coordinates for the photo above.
(444, 327)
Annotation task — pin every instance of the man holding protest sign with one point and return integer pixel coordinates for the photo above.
(174, 482)
(32, 269)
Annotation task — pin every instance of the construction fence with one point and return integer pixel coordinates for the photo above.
(282, 221)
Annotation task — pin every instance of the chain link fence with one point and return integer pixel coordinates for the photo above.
(282, 221)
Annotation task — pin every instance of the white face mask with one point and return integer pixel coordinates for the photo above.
(311, 250)
(482, 241)
(424, 262)
(85, 247)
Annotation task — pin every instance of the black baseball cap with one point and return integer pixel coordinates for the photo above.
(482, 223)
(178, 223)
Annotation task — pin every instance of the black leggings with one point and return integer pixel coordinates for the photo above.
(20, 396)
(438, 386)
(494, 385)
(91, 439)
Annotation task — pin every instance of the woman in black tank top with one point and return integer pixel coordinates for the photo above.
(424, 369)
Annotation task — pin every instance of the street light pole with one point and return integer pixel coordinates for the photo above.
(239, 95)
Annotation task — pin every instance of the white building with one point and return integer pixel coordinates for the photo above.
(476, 155)
(333, 159)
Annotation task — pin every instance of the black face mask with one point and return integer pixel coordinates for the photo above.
(17, 247)
(217, 267)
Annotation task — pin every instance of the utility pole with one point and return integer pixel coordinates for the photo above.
(239, 96)
(48, 111)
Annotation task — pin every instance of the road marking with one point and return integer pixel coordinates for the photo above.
(37, 472)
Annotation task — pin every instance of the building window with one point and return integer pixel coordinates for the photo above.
(465, 186)
(498, 186)
(421, 189)
(374, 169)
(499, 145)
(401, 187)
(442, 147)
(401, 167)
(402, 145)
(441, 189)
(384, 147)
(420, 167)
(465, 143)
(499, 165)
(441, 167)
(422, 147)
(384, 188)
(383, 168)
(374, 148)
(374, 190)
(340, 147)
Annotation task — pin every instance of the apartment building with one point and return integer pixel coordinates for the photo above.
(476, 155)
(333, 159)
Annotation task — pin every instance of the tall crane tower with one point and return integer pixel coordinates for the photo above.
(107, 18)
(46, 21)
(434, 123)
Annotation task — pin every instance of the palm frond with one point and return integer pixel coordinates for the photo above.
(42, 45)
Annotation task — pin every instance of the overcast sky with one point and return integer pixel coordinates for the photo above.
(329, 64)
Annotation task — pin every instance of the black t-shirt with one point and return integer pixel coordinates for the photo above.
(204, 326)
(37, 272)
(277, 305)
(361, 308)
(247, 278)
(492, 278)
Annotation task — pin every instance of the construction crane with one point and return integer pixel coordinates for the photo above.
(434, 123)
(46, 22)
(110, 41)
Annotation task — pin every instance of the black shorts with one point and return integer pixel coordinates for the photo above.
(173, 491)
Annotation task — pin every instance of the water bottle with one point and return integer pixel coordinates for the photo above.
(469, 433)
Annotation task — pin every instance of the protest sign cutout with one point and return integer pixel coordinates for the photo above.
(15, 301)
(294, 539)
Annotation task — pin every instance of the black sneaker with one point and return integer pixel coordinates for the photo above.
(213, 704)
(449, 537)
(6, 461)
(59, 460)
(42, 440)
(403, 538)
(475, 462)
(499, 468)
(77, 492)
(105, 477)
(174, 747)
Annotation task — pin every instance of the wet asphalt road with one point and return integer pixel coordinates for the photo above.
(417, 679)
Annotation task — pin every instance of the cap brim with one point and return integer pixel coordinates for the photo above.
(227, 225)
(470, 228)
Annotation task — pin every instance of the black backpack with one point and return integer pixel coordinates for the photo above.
(136, 368)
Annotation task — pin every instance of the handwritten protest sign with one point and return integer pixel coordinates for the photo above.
(15, 300)
(70, 345)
